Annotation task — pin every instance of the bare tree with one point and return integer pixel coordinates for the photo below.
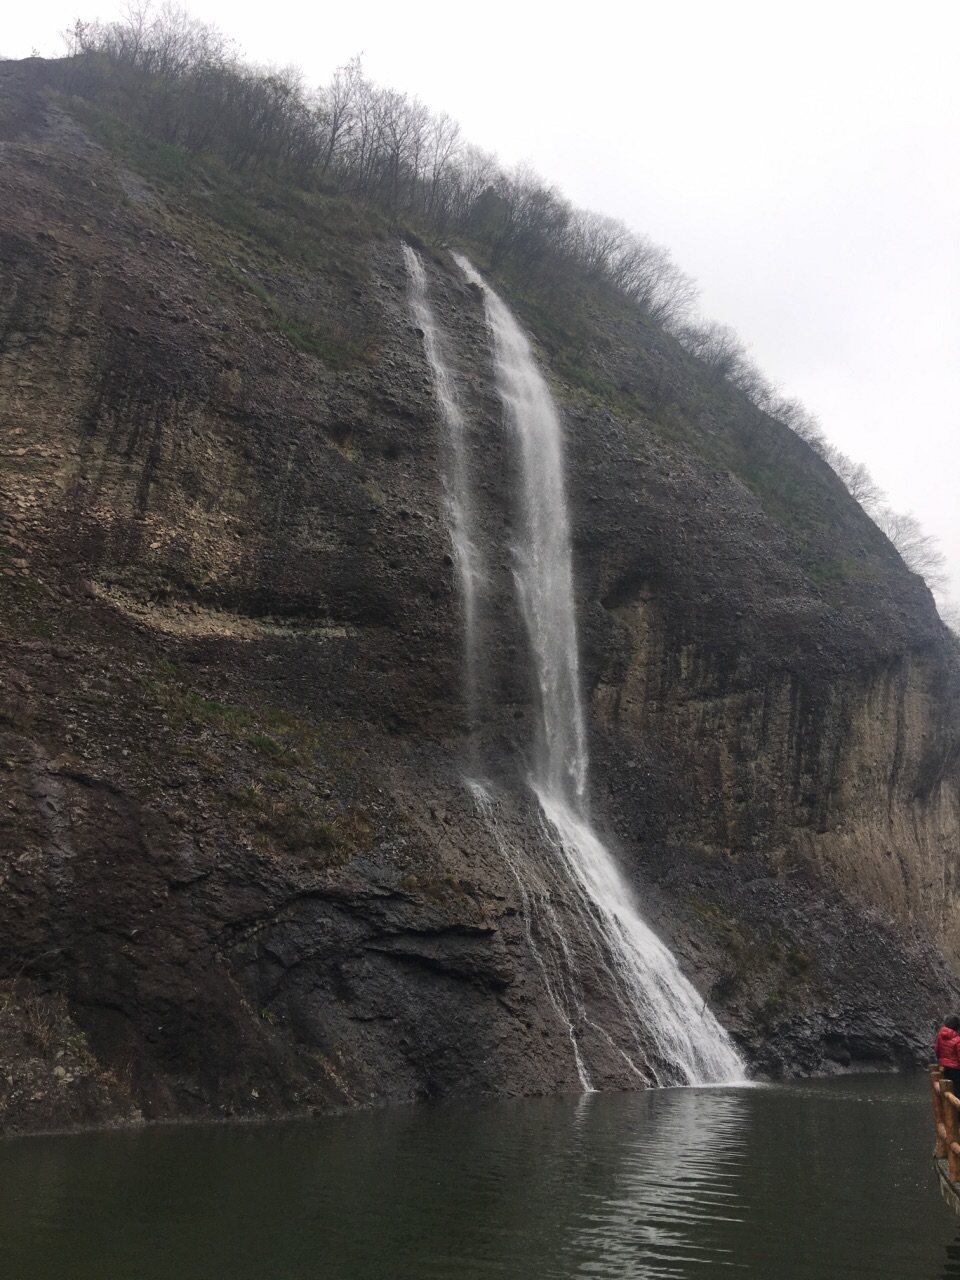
(918, 549)
(596, 241)
(717, 345)
(443, 151)
(646, 273)
(520, 217)
(859, 483)
(337, 115)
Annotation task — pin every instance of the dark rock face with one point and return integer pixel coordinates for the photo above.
(241, 871)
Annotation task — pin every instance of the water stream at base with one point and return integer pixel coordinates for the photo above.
(672, 1037)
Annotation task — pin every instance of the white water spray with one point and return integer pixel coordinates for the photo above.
(671, 1036)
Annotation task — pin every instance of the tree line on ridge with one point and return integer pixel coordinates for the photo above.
(182, 81)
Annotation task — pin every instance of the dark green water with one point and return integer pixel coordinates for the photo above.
(802, 1182)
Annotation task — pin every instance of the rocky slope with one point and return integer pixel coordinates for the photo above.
(241, 873)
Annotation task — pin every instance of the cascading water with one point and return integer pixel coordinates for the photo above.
(459, 507)
(542, 570)
(672, 1037)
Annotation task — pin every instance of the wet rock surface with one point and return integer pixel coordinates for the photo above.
(241, 872)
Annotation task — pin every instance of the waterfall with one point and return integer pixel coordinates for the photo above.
(541, 558)
(670, 1034)
(457, 496)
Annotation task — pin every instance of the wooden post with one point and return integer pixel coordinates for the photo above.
(938, 1109)
(951, 1122)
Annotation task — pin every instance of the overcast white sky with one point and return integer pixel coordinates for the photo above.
(801, 160)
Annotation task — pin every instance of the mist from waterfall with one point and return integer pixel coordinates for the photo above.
(671, 1036)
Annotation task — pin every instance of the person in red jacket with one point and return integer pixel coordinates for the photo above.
(948, 1049)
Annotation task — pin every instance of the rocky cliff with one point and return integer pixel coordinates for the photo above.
(240, 871)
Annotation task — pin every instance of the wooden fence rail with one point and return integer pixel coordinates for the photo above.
(946, 1119)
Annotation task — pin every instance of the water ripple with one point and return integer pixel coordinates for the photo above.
(805, 1182)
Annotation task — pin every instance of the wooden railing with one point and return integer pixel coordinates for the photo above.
(946, 1117)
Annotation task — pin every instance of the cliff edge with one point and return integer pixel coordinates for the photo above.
(241, 872)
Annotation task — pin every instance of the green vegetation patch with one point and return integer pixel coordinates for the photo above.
(282, 803)
(257, 219)
(764, 967)
(22, 601)
(153, 159)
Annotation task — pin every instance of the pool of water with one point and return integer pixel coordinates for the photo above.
(807, 1181)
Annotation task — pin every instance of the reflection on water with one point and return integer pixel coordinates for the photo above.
(671, 1199)
(802, 1182)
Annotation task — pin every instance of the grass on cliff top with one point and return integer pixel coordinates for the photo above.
(252, 227)
(312, 228)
